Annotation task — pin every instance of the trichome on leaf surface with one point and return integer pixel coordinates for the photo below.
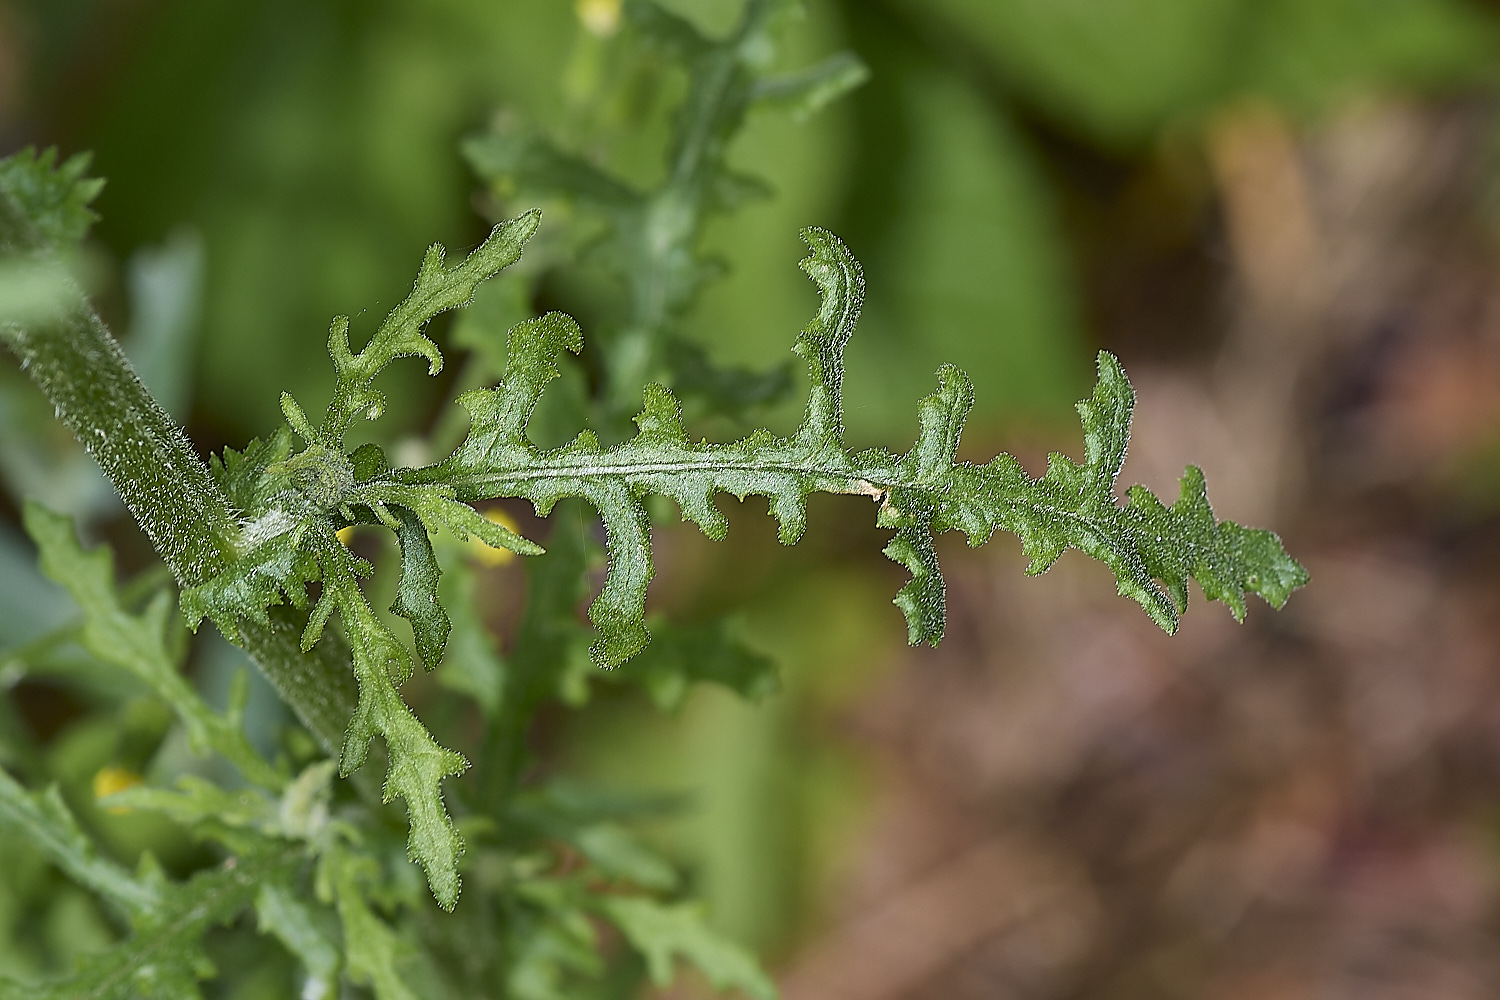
(254, 542)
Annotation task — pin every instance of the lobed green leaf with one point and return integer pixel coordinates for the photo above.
(294, 503)
(806, 92)
(651, 238)
(1152, 549)
(663, 932)
(53, 196)
(298, 501)
(138, 643)
(282, 913)
(437, 290)
(45, 820)
(164, 958)
(371, 947)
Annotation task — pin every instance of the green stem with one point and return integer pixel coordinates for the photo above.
(74, 360)
(661, 238)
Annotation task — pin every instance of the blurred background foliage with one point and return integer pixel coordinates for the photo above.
(1024, 180)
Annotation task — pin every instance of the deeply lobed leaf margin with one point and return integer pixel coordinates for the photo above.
(1152, 548)
(301, 498)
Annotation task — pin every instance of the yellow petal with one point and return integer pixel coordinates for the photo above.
(110, 780)
(482, 553)
(601, 17)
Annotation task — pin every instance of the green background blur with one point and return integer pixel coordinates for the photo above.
(1009, 171)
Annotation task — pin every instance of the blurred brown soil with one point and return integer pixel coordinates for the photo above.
(1075, 805)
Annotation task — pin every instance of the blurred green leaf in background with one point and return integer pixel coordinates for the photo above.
(272, 163)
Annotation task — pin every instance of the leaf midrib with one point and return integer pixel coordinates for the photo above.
(876, 482)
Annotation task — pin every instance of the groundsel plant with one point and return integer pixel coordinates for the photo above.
(252, 540)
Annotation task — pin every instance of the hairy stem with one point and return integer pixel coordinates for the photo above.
(74, 360)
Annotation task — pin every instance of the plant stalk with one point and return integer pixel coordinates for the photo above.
(74, 360)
